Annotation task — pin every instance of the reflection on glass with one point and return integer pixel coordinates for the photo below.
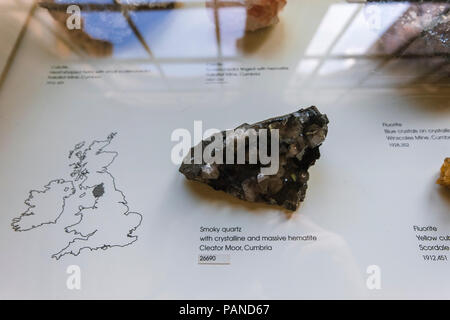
(335, 20)
(399, 44)
(351, 45)
(367, 26)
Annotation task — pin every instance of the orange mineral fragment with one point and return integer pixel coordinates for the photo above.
(444, 179)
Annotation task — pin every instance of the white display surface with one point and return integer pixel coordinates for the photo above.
(365, 194)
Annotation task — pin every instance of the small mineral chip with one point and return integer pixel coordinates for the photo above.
(262, 13)
(264, 162)
(444, 179)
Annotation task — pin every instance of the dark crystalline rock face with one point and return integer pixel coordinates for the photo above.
(300, 135)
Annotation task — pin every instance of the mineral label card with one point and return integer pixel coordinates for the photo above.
(105, 189)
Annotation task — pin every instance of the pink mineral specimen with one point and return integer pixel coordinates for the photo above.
(262, 13)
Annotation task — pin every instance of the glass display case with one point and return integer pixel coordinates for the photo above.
(102, 100)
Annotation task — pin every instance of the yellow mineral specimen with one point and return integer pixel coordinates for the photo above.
(444, 179)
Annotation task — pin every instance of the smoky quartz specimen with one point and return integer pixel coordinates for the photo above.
(264, 162)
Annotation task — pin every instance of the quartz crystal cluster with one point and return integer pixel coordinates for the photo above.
(300, 134)
(444, 179)
(262, 13)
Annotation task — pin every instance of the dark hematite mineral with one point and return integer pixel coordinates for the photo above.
(300, 135)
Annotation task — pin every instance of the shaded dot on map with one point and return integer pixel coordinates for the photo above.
(98, 191)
